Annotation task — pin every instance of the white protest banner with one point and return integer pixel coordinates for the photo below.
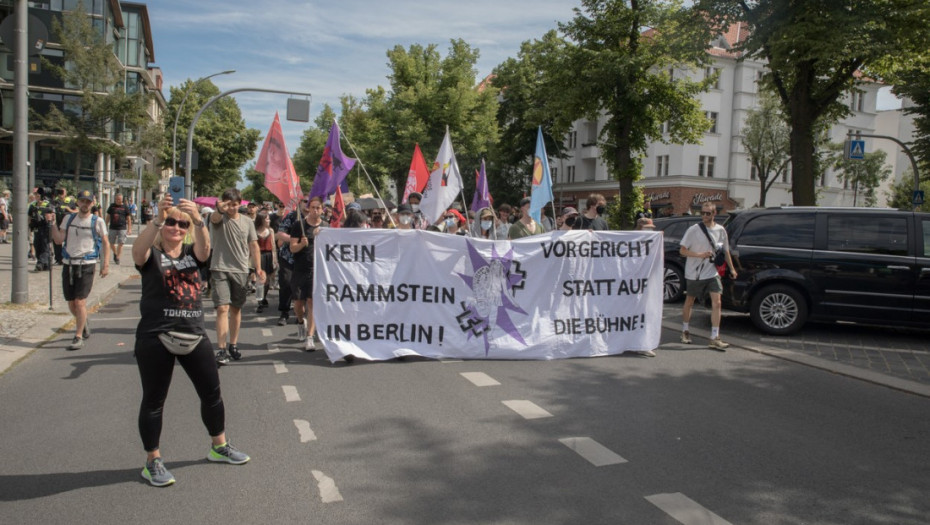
(381, 294)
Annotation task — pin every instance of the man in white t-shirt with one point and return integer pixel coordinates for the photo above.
(83, 240)
(701, 274)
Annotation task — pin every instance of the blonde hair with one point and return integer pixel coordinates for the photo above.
(176, 213)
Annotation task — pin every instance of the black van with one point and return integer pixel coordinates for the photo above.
(864, 265)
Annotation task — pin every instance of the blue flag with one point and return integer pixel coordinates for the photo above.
(541, 191)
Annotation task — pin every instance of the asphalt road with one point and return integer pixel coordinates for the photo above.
(692, 436)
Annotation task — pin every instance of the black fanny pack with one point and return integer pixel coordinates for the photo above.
(179, 343)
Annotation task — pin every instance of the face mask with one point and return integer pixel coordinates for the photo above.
(415, 207)
(570, 221)
(600, 210)
(486, 225)
(450, 223)
(405, 219)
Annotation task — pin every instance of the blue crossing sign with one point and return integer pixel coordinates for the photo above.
(918, 198)
(856, 150)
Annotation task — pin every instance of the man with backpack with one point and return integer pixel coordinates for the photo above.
(83, 239)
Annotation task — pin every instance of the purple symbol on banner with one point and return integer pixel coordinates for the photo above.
(493, 282)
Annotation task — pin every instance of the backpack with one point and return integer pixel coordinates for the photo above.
(98, 240)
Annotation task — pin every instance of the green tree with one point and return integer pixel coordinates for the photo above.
(612, 68)
(104, 118)
(902, 192)
(221, 139)
(912, 80)
(765, 138)
(862, 175)
(815, 51)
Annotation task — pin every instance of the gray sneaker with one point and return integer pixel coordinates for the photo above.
(76, 344)
(227, 454)
(301, 329)
(718, 345)
(686, 337)
(156, 473)
(222, 358)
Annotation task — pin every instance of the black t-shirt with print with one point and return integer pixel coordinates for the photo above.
(118, 214)
(171, 294)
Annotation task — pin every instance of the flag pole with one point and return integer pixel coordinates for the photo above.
(362, 166)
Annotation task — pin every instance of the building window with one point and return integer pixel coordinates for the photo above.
(856, 101)
(706, 166)
(711, 71)
(712, 117)
(665, 127)
(753, 172)
(671, 73)
(662, 166)
(571, 173)
(786, 175)
(555, 174)
(572, 139)
(823, 179)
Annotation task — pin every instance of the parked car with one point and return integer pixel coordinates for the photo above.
(673, 229)
(863, 265)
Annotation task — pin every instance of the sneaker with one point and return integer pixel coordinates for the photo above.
(308, 345)
(116, 259)
(86, 333)
(301, 330)
(76, 344)
(227, 454)
(686, 337)
(234, 352)
(282, 320)
(222, 358)
(647, 353)
(718, 344)
(156, 473)
(260, 309)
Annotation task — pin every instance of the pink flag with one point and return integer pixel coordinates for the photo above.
(339, 210)
(280, 176)
(418, 175)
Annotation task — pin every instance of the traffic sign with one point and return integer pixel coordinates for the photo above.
(918, 198)
(856, 150)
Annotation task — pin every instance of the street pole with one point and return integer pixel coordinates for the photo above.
(188, 189)
(907, 152)
(174, 135)
(20, 281)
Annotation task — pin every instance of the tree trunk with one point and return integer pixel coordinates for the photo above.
(77, 168)
(803, 171)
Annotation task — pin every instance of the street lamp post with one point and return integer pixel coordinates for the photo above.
(174, 136)
(188, 189)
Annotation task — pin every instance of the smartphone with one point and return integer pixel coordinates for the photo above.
(176, 189)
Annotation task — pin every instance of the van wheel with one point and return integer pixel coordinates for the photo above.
(778, 310)
(674, 287)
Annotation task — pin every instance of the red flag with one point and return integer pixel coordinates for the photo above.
(339, 209)
(280, 176)
(418, 175)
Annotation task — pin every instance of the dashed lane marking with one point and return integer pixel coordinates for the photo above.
(597, 454)
(329, 492)
(290, 393)
(685, 509)
(273, 347)
(266, 332)
(279, 367)
(480, 378)
(527, 409)
(306, 433)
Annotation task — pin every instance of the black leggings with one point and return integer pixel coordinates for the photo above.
(156, 364)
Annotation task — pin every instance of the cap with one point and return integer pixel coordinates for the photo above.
(85, 195)
(416, 194)
(568, 211)
(404, 208)
(353, 206)
(458, 216)
(524, 201)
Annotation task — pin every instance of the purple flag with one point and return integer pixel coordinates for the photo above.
(482, 198)
(334, 167)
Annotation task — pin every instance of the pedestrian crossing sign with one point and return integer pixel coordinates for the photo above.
(855, 150)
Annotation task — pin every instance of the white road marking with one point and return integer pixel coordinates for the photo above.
(272, 347)
(306, 433)
(685, 509)
(290, 393)
(266, 332)
(279, 367)
(527, 409)
(443, 360)
(480, 378)
(329, 493)
(591, 450)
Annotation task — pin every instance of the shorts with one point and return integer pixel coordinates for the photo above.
(302, 285)
(77, 280)
(117, 237)
(228, 288)
(697, 288)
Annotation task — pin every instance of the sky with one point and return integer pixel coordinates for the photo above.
(331, 48)
(327, 48)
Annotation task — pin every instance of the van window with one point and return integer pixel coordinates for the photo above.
(867, 234)
(783, 230)
(926, 227)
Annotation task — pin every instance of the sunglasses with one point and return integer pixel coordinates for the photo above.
(180, 223)
(707, 213)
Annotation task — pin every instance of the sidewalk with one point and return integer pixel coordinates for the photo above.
(24, 327)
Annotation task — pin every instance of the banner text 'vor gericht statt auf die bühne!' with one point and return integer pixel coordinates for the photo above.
(381, 294)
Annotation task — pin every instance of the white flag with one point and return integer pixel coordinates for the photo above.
(444, 185)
